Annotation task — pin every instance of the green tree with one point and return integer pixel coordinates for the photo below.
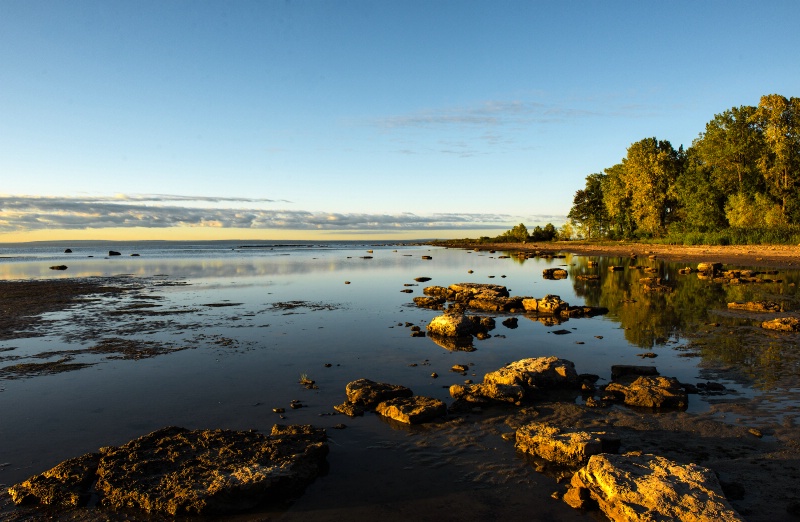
(650, 170)
(700, 202)
(617, 201)
(518, 234)
(731, 147)
(588, 211)
(779, 120)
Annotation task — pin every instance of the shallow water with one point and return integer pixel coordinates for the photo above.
(237, 350)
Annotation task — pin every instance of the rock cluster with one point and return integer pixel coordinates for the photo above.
(175, 471)
(390, 400)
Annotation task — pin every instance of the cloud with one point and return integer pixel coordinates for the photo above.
(28, 213)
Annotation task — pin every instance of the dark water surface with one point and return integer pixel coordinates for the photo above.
(243, 324)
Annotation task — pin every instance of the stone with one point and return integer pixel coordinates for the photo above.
(554, 273)
(482, 393)
(650, 392)
(511, 323)
(636, 487)
(422, 279)
(59, 267)
(536, 373)
(453, 344)
(620, 370)
(434, 303)
(709, 267)
(756, 306)
(564, 446)
(177, 472)
(367, 393)
(451, 324)
(68, 251)
(479, 290)
(551, 304)
(66, 485)
(113, 253)
(412, 410)
(782, 324)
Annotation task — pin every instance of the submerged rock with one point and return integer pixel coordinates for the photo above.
(635, 487)
(412, 410)
(566, 447)
(175, 471)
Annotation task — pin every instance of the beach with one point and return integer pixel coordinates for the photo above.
(208, 341)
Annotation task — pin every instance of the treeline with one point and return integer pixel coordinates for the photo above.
(739, 182)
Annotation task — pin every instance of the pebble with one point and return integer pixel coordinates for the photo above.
(435, 375)
(279, 410)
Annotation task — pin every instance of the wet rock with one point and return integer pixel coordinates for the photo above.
(615, 268)
(412, 410)
(451, 324)
(756, 306)
(478, 291)
(68, 251)
(175, 471)
(113, 253)
(459, 368)
(453, 344)
(649, 392)
(620, 370)
(536, 373)
(59, 267)
(709, 267)
(434, 303)
(635, 487)
(549, 304)
(554, 273)
(483, 393)
(588, 277)
(782, 324)
(367, 394)
(422, 279)
(564, 446)
(511, 323)
(496, 304)
(66, 485)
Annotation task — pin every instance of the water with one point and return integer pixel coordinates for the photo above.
(235, 350)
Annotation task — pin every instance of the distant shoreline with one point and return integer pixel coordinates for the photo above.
(766, 256)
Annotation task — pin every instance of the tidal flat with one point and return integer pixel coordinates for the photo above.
(219, 336)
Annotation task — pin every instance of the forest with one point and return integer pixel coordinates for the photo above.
(738, 183)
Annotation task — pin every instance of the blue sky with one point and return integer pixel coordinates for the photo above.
(363, 118)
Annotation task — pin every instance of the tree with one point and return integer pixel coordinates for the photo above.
(700, 202)
(650, 170)
(518, 234)
(588, 210)
(779, 120)
(731, 147)
(617, 201)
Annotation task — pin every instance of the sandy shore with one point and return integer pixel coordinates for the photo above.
(763, 256)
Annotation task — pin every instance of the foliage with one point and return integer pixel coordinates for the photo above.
(742, 172)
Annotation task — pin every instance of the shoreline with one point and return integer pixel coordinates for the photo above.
(785, 257)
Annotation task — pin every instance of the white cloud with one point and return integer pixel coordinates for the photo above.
(28, 213)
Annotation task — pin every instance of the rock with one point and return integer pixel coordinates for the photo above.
(588, 277)
(642, 488)
(113, 253)
(564, 446)
(434, 303)
(478, 290)
(549, 304)
(422, 279)
(453, 344)
(650, 392)
(620, 370)
(460, 368)
(511, 323)
(616, 268)
(68, 251)
(496, 304)
(412, 410)
(178, 472)
(709, 267)
(451, 325)
(59, 267)
(368, 394)
(783, 324)
(536, 373)
(554, 273)
(482, 393)
(66, 485)
(756, 306)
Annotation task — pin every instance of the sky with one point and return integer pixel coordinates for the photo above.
(393, 119)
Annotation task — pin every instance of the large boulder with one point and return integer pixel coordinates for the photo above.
(482, 393)
(536, 373)
(635, 487)
(412, 410)
(649, 392)
(566, 447)
(177, 472)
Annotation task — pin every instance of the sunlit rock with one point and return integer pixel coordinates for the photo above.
(554, 273)
(756, 306)
(536, 373)
(367, 393)
(649, 392)
(639, 488)
(482, 393)
(564, 446)
(412, 410)
(782, 324)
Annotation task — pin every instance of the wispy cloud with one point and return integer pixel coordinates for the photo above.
(28, 213)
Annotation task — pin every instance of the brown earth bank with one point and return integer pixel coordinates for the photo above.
(764, 256)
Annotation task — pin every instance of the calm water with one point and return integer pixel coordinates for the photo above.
(236, 360)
